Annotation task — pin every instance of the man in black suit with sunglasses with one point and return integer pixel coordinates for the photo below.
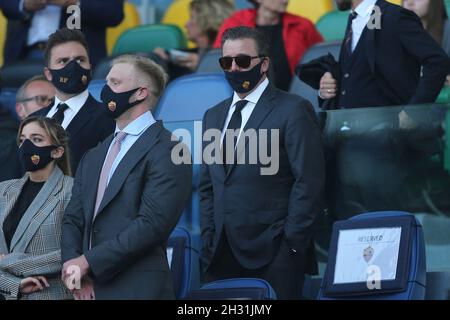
(257, 223)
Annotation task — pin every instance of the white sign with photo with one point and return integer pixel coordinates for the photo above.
(360, 250)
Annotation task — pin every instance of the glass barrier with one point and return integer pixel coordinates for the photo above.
(390, 158)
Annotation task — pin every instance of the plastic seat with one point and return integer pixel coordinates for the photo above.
(312, 10)
(95, 88)
(3, 24)
(415, 265)
(302, 89)
(332, 25)
(210, 62)
(15, 74)
(183, 255)
(131, 20)
(147, 38)
(235, 289)
(178, 14)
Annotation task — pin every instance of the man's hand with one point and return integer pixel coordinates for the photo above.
(160, 52)
(34, 5)
(79, 263)
(33, 284)
(190, 62)
(87, 290)
(328, 86)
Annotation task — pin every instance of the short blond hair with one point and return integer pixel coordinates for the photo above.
(154, 73)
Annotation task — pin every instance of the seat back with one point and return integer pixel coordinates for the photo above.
(148, 37)
(183, 258)
(187, 98)
(131, 19)
(15, 74)
(3, 25)
(8, 101)
(302, 89)
(416, 265)
(182, 107)
(95, 88)
(235, 289)
(210, 62)
(332, 25)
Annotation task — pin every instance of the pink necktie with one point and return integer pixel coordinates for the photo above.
(102, 184)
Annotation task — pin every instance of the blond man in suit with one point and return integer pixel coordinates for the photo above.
(31, 211)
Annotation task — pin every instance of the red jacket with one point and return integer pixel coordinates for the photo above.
(298, 33)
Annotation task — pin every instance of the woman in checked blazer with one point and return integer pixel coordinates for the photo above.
(31, 211)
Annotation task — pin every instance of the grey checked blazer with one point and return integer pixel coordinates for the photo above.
(35, 247)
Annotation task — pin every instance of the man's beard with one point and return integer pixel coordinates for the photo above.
(344, 5)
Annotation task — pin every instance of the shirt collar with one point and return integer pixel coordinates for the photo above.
(138, 125)
(75, 103)
(254, 96)
(364, 9)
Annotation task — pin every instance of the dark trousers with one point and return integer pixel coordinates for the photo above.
(286, 272)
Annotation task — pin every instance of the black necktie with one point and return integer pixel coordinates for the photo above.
(59, 115)
(234, 124)
(349, 35)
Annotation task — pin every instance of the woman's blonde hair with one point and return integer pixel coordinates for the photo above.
(58, 137)
(211, 14)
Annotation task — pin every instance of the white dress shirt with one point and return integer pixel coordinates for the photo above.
(364, 11)
(43, 23)
(134, 131)
(74, 104)
(246, 112)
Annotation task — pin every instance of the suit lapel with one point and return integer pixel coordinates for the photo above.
(139, 149)
(82, 118)
(217, 123)
(11, 194)
(37, 212)
(261, 111)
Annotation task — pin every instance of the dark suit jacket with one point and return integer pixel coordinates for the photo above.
(96, 16)
(140, 208)
(397, 52)
(89, 127)
(258, 211)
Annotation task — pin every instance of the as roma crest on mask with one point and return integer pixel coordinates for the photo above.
(112, 106)
(84, 80)
(35, 159)
(246, 85)
(368, 253)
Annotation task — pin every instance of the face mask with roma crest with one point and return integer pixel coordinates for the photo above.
(34, 158)
(244, 81)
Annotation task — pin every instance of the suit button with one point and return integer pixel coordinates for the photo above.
(346, 75)
(344, 92)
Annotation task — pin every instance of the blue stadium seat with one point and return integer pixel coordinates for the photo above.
(302, 89)
(235, 289)
(183, 254)
(416, 280)
(182, 107)
(8, 100)
(95, 88)
(187, 98)
(210, 62)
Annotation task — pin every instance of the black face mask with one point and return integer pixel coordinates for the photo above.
(71, 79)
(33, 157)
(244, 81)
(117, 103)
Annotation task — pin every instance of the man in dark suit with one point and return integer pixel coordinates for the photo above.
(256, 223)
(387, 58)
(69, 69)
(30, 22)
(128, 195)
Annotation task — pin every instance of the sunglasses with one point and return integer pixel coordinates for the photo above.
(40, 100)
(242, 61)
